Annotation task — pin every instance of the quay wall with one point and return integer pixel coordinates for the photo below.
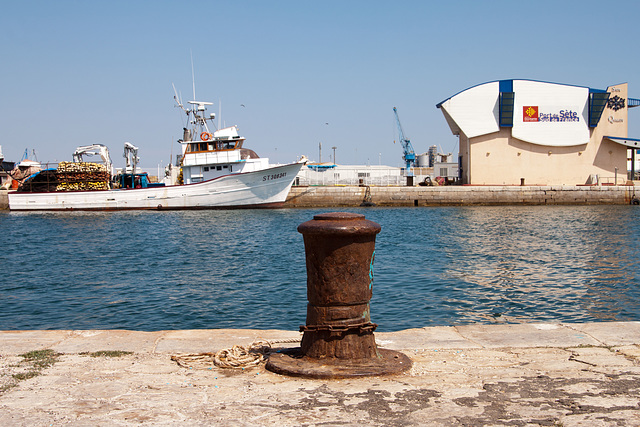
(351, 196)
(461, 195)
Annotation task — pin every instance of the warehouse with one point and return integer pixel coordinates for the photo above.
(517, 132)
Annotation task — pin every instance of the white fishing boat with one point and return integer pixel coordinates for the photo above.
(217, 172)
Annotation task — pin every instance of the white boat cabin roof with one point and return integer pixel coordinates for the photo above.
(226, 139)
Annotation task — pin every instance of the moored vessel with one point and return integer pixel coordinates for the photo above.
(216, 172)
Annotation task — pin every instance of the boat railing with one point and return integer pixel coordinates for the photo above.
(612, 180)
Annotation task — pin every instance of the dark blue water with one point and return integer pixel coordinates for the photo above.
(245, 269)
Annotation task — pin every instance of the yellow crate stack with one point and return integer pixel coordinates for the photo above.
(82, 176)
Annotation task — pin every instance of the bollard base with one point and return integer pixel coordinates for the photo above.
(292, 363)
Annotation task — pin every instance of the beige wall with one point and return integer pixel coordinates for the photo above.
(500, 159)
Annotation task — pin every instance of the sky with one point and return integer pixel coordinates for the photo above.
(290, 74)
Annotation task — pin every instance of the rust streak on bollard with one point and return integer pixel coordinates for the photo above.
(338, 338)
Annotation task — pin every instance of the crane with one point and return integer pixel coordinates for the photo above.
(131, 157)
(92, 150)
(409, 156)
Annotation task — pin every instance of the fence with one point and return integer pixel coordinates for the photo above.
(356, 175)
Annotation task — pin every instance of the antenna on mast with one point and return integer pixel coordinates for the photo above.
(193, 77)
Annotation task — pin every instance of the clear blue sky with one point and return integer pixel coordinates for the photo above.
(82, 72)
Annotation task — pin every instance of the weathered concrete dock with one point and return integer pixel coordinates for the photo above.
(504, 374)
(462, 195)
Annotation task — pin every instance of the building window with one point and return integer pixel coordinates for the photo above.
(506, 108)
(597, 102)
(444, 172)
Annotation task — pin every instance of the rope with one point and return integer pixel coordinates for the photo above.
(236, 357)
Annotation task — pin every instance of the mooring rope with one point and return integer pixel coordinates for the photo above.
(236, 357)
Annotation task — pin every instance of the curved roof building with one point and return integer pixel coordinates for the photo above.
(522, 131)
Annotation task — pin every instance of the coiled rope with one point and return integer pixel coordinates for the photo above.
(236, 357)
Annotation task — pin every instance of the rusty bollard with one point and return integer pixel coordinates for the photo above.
(338, 338)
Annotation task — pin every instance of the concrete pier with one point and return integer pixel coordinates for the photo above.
(462, 195)
(500, 374)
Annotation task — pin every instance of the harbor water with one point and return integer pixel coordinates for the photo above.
(149, 270)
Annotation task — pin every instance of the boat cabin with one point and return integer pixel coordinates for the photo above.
(218, 154)
(134, 180)
(217, 144)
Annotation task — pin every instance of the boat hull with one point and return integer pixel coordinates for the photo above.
(258, 189)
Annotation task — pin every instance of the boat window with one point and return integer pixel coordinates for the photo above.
(203, 146)
(206, 168)
(225, 166)
(211, 147)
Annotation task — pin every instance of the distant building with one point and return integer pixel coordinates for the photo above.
(433, 151)
(521, 131)
(446, 169)
(332, 174)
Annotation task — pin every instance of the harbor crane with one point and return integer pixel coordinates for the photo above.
(409, 156)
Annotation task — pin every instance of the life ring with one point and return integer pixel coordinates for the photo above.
(205, 136)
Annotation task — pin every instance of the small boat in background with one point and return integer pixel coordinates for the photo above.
(24, 169)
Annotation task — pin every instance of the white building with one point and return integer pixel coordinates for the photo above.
(374, 175)
(513, 132)
(331, 174)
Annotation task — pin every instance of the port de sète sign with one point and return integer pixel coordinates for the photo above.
(532, 113)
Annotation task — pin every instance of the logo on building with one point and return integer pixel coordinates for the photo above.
(533, 114)
(616, 103)
(530, 114)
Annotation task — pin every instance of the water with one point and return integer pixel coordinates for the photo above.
(245, 269)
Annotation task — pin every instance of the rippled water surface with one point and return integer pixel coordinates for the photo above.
(245, 269)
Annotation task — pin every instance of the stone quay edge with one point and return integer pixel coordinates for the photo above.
(566, 374)
(351, 196)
